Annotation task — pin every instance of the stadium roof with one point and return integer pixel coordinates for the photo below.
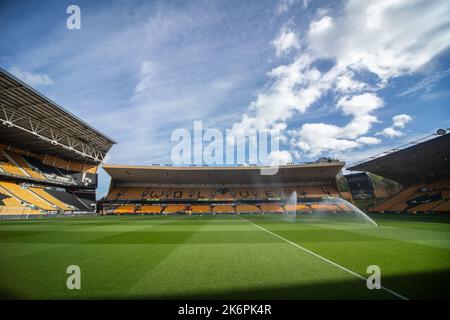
(413, 163)
(222, 175)
(31, 121)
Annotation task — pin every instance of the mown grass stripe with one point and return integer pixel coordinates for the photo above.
(398, 295)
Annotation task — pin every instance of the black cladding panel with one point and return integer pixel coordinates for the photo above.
(360, 185)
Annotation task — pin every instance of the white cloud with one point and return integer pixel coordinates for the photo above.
(390, 132)
(401, 120)
(31, 78)
(315, 138)
(426, 84)
(285, 5)
(368, 35)
(346, 83)
(285, 42)
(368, 140)
(360, 105)
(318, 27)
(365, 36)
(398, 122)
(280, 157)
(147, 72)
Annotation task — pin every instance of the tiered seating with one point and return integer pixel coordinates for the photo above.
(297, 207)
(312, 191)
(27, 196)
(245, 208)
(200, 209)
(204, 193)
(219, 193)
(219, 199)
(133, 193)
(271, 208)
(156, 193)
(346, 195)
(52, 161)
(115, 193)
(437, 199)
(40, 197)
(9, 205)
(11, 168)
(443, 207)
(149, 209)
(398, 198)
(179, 193)
(67, 198)
(331, 190)
(88, 203)
(344, 207)
(423, 197)
(223, 193)
(8, 200)
(124, 209)
(48, 197)
(325, 207)
(15, 211)
(245, 193)
(24, 165)
(174, 208)
(49, 172)
(223, 209)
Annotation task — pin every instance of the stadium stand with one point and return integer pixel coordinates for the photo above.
(174, 208)
(200, 209)
(271, 208)
(223, 209)
(149, 209)
(424, 172)
(247, 208)
(222, 190)
(48, 157)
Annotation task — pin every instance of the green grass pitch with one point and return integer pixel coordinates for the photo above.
(231, 257)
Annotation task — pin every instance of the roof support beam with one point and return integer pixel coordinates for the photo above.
(50, 135)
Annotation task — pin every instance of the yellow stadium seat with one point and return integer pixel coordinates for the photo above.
(7, 166)
(200, 209)
(56, 202)
(149, 209)
(223, 209)
(246, 208)
(124, 209)
(25, 166)
(271, 208)
(27, 196)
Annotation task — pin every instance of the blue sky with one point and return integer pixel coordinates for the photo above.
(346, 79)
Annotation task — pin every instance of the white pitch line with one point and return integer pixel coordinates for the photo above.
(398, 295)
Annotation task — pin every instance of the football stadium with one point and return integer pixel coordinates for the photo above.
(211, 232)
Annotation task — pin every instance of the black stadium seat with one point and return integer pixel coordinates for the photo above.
(68, 198)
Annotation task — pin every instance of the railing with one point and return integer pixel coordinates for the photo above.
(54, 181)
(17, 210)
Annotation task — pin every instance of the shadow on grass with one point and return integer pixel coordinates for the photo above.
(432, 285)
(420, 217)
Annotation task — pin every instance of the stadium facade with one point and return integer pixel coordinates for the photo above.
(48, 157)
(198, 190)
(423, 169)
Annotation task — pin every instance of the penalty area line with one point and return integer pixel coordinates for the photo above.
(398, 295)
